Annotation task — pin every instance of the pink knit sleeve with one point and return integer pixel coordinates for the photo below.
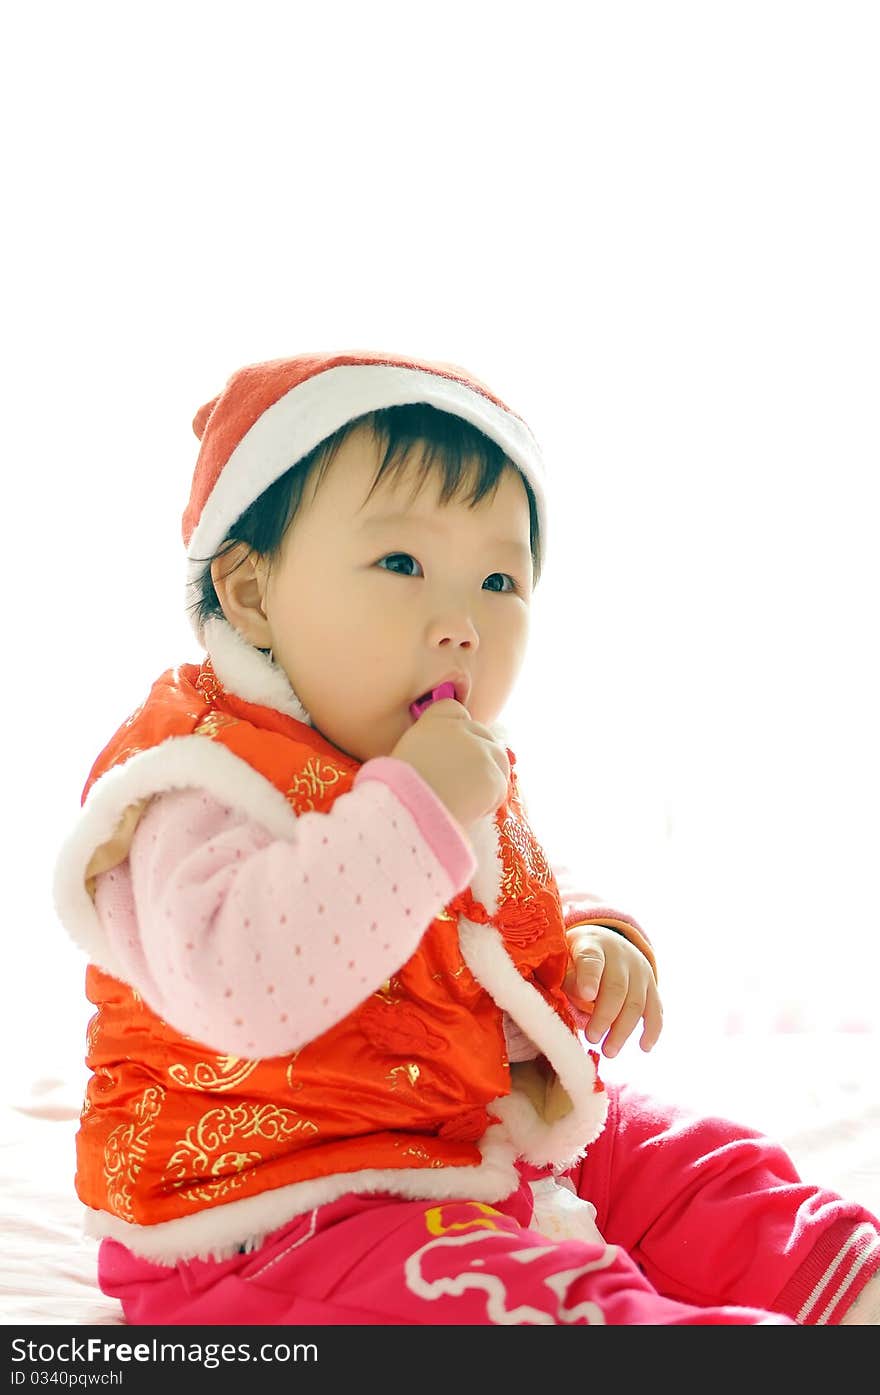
(255, 945)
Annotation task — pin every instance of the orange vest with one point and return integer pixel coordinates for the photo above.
(411, 1083)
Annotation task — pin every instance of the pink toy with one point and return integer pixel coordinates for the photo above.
(445, 690)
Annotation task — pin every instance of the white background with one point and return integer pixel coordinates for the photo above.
(652, 229)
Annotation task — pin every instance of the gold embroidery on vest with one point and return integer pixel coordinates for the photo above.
(204, 1167)
(214, 722)
(102, 1078)
(411, 1071)
(223, 1074)
(125, 1150)
(413, 1152)
(292, 1083)
(208, 683)
(450, 973)
(515, 838)
(390, 990)
(317, 777)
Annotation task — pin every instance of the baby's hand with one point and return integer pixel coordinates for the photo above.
(612, 980)
(459, 758)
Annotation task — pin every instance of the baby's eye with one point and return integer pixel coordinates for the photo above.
(502, 577)
(396, 557)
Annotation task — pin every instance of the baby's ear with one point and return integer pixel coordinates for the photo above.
(239, 578)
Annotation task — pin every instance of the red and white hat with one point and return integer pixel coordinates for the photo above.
(269, 415)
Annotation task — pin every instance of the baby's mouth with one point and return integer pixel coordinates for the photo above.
(444, 690)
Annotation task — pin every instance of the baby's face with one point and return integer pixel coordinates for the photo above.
(372, 604)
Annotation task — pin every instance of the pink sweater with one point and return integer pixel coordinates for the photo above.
(210, 914)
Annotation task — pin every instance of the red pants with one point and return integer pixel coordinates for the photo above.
(703, 1222)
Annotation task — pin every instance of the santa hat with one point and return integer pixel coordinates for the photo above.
(269, 415)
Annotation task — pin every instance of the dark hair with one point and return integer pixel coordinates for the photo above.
(462, 451)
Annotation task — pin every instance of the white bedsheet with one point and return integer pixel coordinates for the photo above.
(818, 1095)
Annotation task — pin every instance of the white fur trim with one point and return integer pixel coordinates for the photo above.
(564, 1141)
(180, 762)
(248, 672)
(486, 884)
(483, 835)
(314, 409)
(219, 1231)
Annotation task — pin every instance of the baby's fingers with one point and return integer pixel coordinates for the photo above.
(653, 1015)
(622, 1027)
(610, 1001)
(585, 976)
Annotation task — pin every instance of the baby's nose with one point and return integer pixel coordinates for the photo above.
(454, 631)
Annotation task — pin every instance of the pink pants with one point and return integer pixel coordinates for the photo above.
(705, 1223)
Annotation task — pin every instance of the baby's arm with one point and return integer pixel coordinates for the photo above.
(613, 977)
(255, 945)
